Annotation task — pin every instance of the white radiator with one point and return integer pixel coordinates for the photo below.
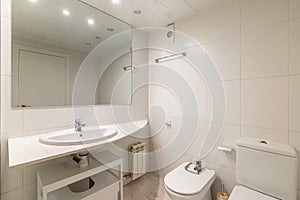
(138, 160)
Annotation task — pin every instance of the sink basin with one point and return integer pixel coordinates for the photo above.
(72, 137)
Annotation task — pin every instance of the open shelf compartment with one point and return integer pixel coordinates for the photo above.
(53, 180)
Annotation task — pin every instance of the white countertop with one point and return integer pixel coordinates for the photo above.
(28, 150)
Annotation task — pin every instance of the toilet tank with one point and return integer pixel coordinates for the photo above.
(268, 167)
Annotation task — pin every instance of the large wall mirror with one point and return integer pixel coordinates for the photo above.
(50, 41)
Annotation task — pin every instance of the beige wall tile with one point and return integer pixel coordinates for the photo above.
(163, 102)
(265, 103)
(294, 8)
(294, 47)
(230, 134)
(193, 27)
(223, 20)
(232, 102)
(265, 52)
(267, 134)
(197, 144)
(259, 13)
(30, 192)
(294, 103)
(229, 63)
(13, 195)
(225, 175)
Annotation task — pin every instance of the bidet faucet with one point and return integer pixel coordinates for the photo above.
(198, 166)
(78, 124)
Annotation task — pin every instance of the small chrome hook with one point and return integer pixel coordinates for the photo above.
(168, 123)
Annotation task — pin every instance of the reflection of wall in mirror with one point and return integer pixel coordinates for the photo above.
(115, 84)
(74, 60)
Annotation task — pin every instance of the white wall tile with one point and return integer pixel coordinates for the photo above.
(265, 52)
(195, 147)
(13, 195)
(259, 13)
(294, 8)
(267, 134)
(5, 46)
(6, 8)
(223, 20)
(229, 63)
(294, 103)
(194, 27)
(167, 135)
(201, 92)
(230, 134)
(44, 118)
(265, 103)
(294, 46)
(139, 107)
(225, 175)
(11, 119)
(11, 178)
(88, 114)
(232, 102)
(44, 131)
(165, 99)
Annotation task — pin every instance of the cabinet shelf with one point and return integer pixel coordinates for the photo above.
(54, 179)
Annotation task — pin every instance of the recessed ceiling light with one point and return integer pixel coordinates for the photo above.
(97, 37)
(91, 22)
(88, 43)
(137, 11)
(66, 12)
(110, 29)
(34, 1)
(116, 1)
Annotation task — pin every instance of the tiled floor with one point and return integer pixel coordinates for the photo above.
(148, 187)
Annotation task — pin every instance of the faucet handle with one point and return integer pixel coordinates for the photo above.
(79, 120)
(199, 162)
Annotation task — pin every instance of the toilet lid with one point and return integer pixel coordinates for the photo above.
(183, 182)
(243, 193)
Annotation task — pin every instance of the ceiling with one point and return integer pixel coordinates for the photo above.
(153, 12)
(42, 23)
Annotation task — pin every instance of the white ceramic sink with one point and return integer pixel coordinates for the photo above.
(72, 137)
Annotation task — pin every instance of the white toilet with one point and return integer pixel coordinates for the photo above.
(184, 184)
(265, 171)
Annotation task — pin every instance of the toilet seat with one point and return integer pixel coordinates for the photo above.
(243, 193)
(183, 182)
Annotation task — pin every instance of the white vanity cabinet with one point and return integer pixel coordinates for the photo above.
(54, 182)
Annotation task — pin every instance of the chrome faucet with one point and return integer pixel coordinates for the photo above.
(198, 166)
(78, 124)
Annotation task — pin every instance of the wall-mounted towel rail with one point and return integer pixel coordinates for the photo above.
(157, 60)
(130, 67)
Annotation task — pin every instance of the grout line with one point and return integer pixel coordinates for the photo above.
(272, 129)
(241, 107)
(288, 60)
(266, 77)
(265, 26)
